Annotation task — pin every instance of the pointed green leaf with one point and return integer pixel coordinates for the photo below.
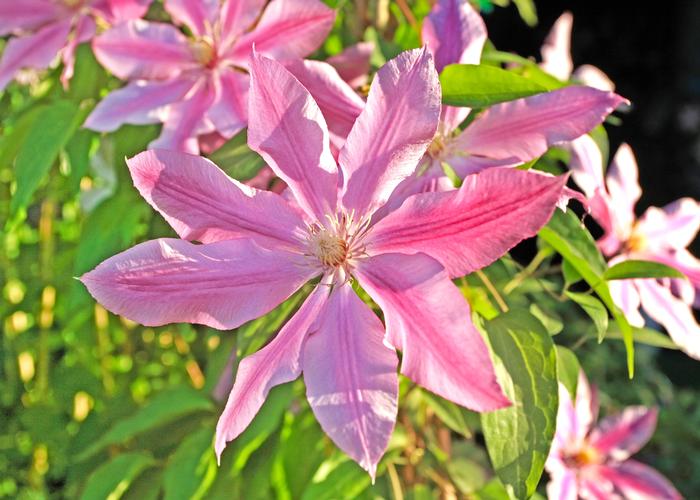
(191, 468)
(237, 159)
(518, 438)
(641, 269)
(111, 480)
(479, 86)
(595, 309)
(568, 369)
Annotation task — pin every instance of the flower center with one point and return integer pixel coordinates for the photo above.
(636, 242)
(335, 244)
(203, 51)
(330, 249)
(72, 3)
(437, 147)
(587, 455)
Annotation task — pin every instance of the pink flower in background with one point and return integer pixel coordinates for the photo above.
(556, 57)
(198, 85)
(506, 134)
(45, 29)
(257, 249)
(660, 234)
(589, 461)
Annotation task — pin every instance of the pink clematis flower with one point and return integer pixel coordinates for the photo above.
(506, 134)
(660, 234)
(556, 57)
(44, 29)
(258, 249)
(593, 462)
(197, 86)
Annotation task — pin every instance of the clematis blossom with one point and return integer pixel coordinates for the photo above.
(557, 61)
(41, 30)
(257, 249)
(592, 461)
(503, 135)
(197, 85)
(660, 234)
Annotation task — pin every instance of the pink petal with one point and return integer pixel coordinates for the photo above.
(229, 112)
(526, 128)
(198, 15)
(593, 486)
(276, 363)
(352, 64)
(568, 431)
(84, 30)
(586, 165)
(469, 228)
(339, 104)
(556, 51)
(116, 11)
(288, 130)
(184, 119)
(451, 118)
(562, 486)
(623, 185)
(286, 30)
(202, 203)
(675, 315)
(143, 49)
(139, 102)
(33, 51)
(593, 77)
(626, 297)
(454, 33)
(620, 436)
(392, 132)
(237, 16)
(351, 380)
(638, 481)
(25, 15)
(428, 319)
(464, 164)
(433, 180)
(675, 226)
(586, 405)
(222, 284)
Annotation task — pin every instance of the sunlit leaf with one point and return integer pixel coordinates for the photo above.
(575, 244)
(164, 408)
(40, 148)
(479, 86)
(568, 369)
(191, 468)
(237, 159)
(641, 269)
(518, 437)
(113, 478)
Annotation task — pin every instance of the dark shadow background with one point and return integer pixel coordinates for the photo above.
(652, 53)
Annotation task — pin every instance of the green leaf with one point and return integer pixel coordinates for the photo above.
(571, 275)
(641, 269)
(113, 478)
(574, 243)
(164, 408)
(237, 159)
(191, 468)
(527, 11)
(13, 139)
(338, 477)
(549, 319)
(42, 143)
(645, 336)
(479, 86)
(452, 415)
(595, 309)
(568, 369)
(267, 421)
(518, 438)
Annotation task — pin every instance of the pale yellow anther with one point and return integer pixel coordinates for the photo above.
(202, 51)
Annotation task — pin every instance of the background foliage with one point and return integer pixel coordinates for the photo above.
(94, 406)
